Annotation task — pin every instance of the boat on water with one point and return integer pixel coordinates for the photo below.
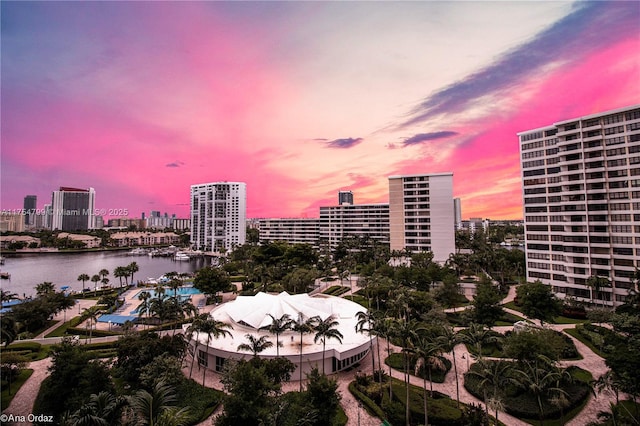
(5, 275)
(138, 252)
(180, 256)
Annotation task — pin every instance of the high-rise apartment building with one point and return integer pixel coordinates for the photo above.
(218, 215)
(73, 209)
(581, 191)
(293, 231)
(358, 220)
(421, 214)
(345, 197)
(29, 206)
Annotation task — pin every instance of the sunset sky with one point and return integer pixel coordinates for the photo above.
(299, 100)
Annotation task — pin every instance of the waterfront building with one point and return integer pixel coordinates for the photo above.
(88, 240)
(73, 209)
(129, 239)
(345, 197)
(358, 220)
(25, 240)
(218, 215)
(293, 231)
(421, 214)
(581, 192)
(180, 224)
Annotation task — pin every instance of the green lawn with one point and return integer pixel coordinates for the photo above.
(15, 386)
(575, 333)
(557, 320)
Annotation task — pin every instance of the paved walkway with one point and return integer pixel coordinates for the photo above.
(22, 403)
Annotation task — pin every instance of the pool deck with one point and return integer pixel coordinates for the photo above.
(131, 303)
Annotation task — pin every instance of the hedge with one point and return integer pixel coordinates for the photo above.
(370, 405)
(396, 361)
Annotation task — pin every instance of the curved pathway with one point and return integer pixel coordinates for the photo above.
(22, 403)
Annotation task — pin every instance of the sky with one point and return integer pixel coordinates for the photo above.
(140, 100)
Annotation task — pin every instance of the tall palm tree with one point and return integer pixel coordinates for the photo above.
(596, 282)
(84, 278)
(95, 279)
(255, 345)
(428, 353)
(211, 328)
(157, 407)
(303, 327)
(407, 333)
(384, 328)
(327, 329)
(121, 272)
(45, 288)
(103, 273)
(92, 316)
(132, 268)
(365, 324)
(449, 339)
(277, 327)
(8, 329)
(144, 307)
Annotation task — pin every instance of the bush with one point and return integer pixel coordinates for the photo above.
(522, 404)
(396, 361)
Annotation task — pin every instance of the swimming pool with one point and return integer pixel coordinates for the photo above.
(182, 291)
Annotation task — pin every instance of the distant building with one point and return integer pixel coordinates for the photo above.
(421, 214)
(218, 215)
(13, 222)
(457, 209)
(88, 240)
(345, 197)
(138, 238)
(293, 231)
(73, 209)
(581, 191)
(473, 225)
(30, 205)
(358, 220)
(181, 224)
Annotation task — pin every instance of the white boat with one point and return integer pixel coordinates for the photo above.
(137, 252)
(181, 256)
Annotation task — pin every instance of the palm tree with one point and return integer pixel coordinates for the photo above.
(144, 307)
(478, 335)
(103, 273)
(94, 280)
(277, 327)
(92, 316)
(493, 375)
(45, 288)
(211, 327)
(384, 328)
(596, 282)
(303, 326)
(121, 272)
(449, 339)
(84, 278)
(365, 324)
(406, 332)
(541, 378)
(103, 408)
(428, 352)
(255, 345)
(327, 329)
(132, 268)
(105, 282)
(158, 407)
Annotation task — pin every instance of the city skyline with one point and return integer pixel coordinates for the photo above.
(298, 100)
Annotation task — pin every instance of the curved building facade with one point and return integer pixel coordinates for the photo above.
(247, 314)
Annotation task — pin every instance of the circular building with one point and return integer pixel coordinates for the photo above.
(249, 314)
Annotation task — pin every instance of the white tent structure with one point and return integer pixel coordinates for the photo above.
(248, 314)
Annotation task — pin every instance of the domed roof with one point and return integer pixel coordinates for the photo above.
(254, 310)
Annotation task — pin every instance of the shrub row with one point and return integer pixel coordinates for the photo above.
(369, 404)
